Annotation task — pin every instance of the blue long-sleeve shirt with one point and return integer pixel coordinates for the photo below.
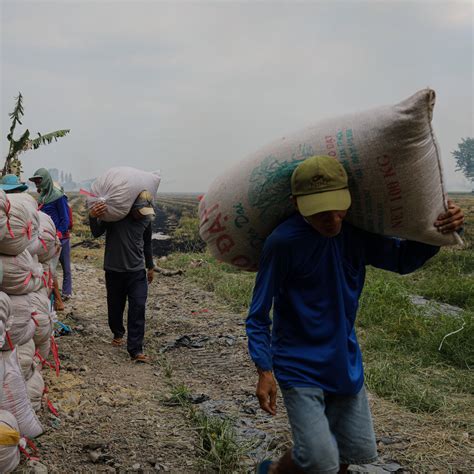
(314, 284)
(58, 210)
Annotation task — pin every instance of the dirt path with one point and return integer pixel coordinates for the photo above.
(112, 411)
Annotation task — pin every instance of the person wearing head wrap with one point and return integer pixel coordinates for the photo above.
(128, 265)
(53, 201)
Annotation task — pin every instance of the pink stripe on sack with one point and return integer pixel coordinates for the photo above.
(87, 193)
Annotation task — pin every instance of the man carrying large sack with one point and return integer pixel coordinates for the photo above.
(128, 252)
(312, 271)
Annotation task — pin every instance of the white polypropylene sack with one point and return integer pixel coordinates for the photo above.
(42, 317)
(9, 442)
(44, 349)
(20, 326)
(35, 389)
(119, 187)
(16, 399)
(4, 208)
(395, 179)
(21, 274)
(46, 245)
(23, 224)
(26, 354)
(5, 312)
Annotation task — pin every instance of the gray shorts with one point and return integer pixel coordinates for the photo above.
(329, 430)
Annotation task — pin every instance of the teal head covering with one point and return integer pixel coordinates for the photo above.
(11, 182)
(48, 191)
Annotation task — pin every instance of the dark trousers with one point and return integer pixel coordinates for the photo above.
(134, 286)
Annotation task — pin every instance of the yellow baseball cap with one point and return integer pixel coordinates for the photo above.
(320, 184)
(144, 204)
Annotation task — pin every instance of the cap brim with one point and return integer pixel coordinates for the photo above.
(146, 211)
(309, 204)
(35, 177)
(10, 187)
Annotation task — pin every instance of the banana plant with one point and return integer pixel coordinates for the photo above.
(24, 142)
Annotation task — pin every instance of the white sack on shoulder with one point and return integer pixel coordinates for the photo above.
(395, 178)
(119, 187)
(9, 442)
(21, 274)
(16, 399)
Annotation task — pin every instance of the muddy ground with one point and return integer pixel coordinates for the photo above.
(113, 414)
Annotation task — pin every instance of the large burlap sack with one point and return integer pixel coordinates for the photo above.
(20, 326)
(16, 399)
(395, 177)
(26, 358)
(9, 442)
(46, 245)
(21, 274)
(5, 312)
(22, 225)
(35, 389)
(119, 187)
(4, 208)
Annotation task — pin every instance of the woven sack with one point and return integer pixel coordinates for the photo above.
(9, 442)
(16, 399)
(46, 246)
(22, 226)
(21, 274)
(119, 187)
(395, 177)
(26, 358)
(42, 317)
(5, 311)
(20, 326)
(35, 389)
(4, 208)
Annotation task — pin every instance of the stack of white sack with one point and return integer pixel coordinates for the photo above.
(5, 311)
(9, 442)
(119, 187)
(28, 250)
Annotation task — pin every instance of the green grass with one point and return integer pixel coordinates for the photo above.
(232, 286)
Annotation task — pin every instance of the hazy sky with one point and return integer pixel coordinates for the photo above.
(191, 88)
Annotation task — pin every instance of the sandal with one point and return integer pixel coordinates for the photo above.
(117, 341)
(141, 358)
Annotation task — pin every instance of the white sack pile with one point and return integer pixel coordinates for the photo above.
(46, 245)
(395, 179)
(119, 187)
(20, 326)
(42, 317)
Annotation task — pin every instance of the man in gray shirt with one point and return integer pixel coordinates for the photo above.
(128, 252)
